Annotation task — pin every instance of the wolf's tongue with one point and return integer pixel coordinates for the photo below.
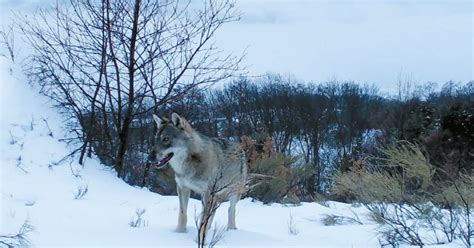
(164, 161)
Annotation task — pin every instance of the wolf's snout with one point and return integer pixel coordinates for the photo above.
(163, 161)
(153, 158)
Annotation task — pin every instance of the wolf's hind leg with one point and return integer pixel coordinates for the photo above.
(183, 195)
(233, 199)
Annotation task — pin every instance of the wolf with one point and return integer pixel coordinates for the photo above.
(215, 168)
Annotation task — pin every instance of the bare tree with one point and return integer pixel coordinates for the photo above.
(106, 62)
(7, 39)
(19, 239)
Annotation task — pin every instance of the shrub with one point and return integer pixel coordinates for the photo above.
(272, 188)
(20, 239)
(400, 191)
(274, 177)
(334, 220)
(81, 192)
(138, 220)
(368, 187)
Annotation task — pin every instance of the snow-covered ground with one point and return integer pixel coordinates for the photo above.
(33, 188)
(36, 190)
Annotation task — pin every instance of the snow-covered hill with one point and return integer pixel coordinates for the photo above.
(36, 190)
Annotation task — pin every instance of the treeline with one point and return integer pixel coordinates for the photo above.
(110, 65)
(314, 131)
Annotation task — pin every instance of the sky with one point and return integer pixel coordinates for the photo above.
(363, 41)
(366, 41)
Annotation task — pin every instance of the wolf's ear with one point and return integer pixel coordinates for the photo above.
(158, 120)
(180, 122)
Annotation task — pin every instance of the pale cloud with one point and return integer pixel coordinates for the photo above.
(368, 41)
(365, 41)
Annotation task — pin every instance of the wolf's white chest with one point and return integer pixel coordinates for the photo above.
(197, 186)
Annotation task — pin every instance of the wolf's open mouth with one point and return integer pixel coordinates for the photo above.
(164, 161)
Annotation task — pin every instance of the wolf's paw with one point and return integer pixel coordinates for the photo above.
(181, 229)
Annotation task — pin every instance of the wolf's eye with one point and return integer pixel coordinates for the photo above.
(166, 139)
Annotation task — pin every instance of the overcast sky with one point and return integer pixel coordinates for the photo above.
(366, 41)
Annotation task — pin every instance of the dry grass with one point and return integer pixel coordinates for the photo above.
(138, 220)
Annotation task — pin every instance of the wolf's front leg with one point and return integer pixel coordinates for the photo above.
(233, 199)
(183, 195)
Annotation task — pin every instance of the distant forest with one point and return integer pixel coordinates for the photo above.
(314, 131)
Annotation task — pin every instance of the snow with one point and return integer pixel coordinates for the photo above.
(34, 188)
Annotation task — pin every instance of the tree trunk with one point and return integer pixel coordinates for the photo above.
(125, 131)
(315, 178)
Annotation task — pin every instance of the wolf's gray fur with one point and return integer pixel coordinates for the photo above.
(211, 167)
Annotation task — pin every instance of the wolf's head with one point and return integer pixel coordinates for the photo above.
(171, 140)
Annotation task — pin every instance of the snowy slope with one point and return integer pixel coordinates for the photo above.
(34, 189)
